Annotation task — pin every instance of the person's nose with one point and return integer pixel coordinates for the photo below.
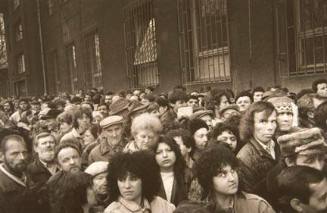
(231, 177)
(164, 154)
(22, 156)
(127, 184)
(71, 161)
(205, 138)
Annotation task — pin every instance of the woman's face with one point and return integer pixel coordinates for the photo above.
(201, 138)
(88, 137)
(84, 122)
(226, 181)
(145, 138)
(65, 127)
(229, 138)
(264, 128)
(165, 157)
(130, 187)
(223, 102)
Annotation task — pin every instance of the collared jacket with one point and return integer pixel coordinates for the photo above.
(157, 205)
(245, 203)
(104, 151)
(38, 172)
(18, 196)
(255, 163)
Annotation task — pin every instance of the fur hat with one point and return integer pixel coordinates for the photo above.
(281, 104)
(96, 168)
(304, 141)
(196, 124)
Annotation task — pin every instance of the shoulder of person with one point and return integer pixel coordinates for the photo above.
(263, 205)
(162, 204)
(114, 207)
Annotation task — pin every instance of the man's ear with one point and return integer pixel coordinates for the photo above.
(296, 205)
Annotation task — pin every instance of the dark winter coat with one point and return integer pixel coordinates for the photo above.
(255, 163)
(18, 198)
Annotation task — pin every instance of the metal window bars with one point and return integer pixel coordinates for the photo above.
(141, 44)
(204, 40)
(72, 66)
(301, 27)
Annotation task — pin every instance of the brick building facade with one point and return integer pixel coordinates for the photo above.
(65, 45)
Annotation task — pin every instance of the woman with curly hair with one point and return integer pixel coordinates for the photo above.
(216, 171)
(226, 134)
(134, 181)
(172, 170)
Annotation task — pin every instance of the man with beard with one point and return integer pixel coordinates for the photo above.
(44, 166)
(16, 193)
(67, 188)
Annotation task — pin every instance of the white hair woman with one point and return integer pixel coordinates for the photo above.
(145, 130)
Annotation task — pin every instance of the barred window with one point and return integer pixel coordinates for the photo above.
(301, 36)
(93, 61)
(141, 44)
(21, 68)
(311, 36)
(204, 42)
(72, 66)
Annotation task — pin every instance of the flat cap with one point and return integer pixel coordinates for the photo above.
(201, 113)
(230, 106)
(96, 168)
(111, 120)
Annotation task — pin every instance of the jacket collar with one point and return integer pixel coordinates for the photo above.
(261, 150)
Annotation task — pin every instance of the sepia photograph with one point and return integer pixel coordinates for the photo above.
(163, 106)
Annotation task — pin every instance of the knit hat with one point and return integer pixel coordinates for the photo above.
(118, 106)
(302, 141)
(97, 168)
(281, 104)
(196, 124)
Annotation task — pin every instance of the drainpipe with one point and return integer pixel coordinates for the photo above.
(41, 46)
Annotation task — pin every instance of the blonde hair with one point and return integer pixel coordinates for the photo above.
(146, 121)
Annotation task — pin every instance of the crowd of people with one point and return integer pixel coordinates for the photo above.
(262, 150)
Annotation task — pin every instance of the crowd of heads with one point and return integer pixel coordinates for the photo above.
(136, 145)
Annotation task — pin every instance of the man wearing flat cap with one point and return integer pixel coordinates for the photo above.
(302, 147)
(97, 192)
(111, 139)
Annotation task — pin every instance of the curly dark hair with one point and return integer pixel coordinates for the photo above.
(180, 165)
(316, 82)
(247, 120)
(219, 129)
(211, 161)
(142, 164)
